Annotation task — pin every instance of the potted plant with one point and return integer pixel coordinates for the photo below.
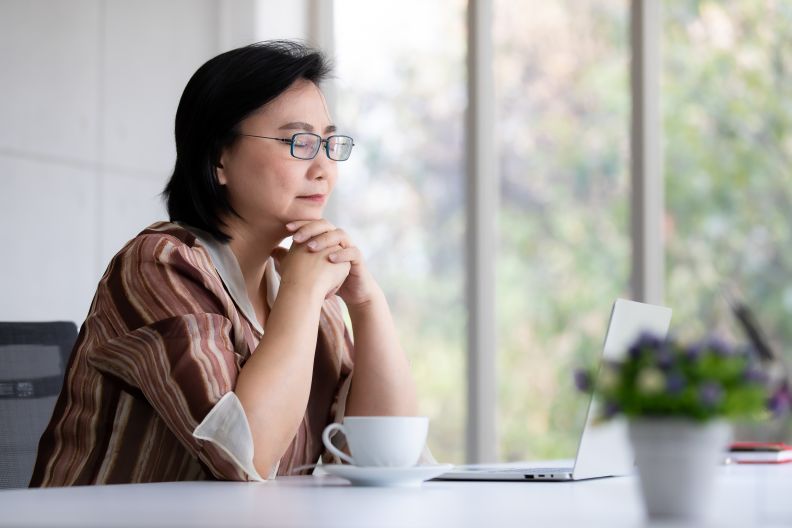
(680, 401)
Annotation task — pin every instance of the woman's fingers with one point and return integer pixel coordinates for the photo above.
(297, 224)
(310, 229)
(349, 254)
(336, 237)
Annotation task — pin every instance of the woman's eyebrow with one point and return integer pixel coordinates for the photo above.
(301, 125)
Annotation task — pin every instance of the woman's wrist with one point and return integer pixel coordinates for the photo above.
(365, 292)
(301, 289)
(375, 299)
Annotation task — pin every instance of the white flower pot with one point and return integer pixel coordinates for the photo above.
(677, 462)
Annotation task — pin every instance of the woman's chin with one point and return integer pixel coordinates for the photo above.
(307, 214)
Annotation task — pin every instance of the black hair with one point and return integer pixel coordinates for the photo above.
(220, 95)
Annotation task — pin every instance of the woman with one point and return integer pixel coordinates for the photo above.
(173, 376)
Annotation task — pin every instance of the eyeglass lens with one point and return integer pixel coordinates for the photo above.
(306, 146)
(339, 147)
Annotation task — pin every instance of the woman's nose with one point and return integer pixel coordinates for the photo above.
(321, 166)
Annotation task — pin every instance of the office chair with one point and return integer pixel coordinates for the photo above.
(33, 359)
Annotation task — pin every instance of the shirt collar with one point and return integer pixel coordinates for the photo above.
(227, 266)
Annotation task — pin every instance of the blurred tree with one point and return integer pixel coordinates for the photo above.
(562, 102)
(561, 72)
(401, 194)
(727, 99)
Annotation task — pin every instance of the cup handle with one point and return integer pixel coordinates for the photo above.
(329, 445)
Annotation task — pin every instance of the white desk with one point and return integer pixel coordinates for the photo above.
(746, 496)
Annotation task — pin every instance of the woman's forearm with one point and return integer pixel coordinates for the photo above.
(382, 384)
(274, 385)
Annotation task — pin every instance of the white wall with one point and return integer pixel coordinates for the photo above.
(88, 94)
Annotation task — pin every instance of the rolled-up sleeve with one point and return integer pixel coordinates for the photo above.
(226, 427)
(185, 368)
(180, 350)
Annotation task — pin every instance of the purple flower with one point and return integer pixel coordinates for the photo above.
(719, 346)
(646, 341)
(583, 380)
(710, 394)
(635, 351)
(665, 356)
(754, 374)
(779, 403)
(649, 340)
(675, 382)
(693, 352)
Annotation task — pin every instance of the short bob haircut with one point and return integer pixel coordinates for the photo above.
(220, 95)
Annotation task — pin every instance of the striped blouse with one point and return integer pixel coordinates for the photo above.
(148, 394)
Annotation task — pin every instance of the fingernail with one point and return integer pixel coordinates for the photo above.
(312, 245)
(299, 237)
(290, 226)
(333, 257)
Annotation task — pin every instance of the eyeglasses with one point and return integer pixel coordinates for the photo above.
(305, 145)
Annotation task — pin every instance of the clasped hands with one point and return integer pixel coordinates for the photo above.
(317, 236)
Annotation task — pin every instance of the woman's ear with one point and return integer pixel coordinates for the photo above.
(220, 170)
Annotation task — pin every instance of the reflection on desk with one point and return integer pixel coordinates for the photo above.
(745, 496)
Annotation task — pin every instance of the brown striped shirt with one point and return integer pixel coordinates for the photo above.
(166, 336)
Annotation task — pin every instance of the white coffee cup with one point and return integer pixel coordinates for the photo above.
(389, 441)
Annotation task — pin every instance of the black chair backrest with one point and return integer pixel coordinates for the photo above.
(33, 359)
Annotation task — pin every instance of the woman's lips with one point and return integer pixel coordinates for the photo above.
(316, 198)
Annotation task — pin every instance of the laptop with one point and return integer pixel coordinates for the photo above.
(603, 450)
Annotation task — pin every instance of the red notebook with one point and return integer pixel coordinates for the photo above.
(760, 453)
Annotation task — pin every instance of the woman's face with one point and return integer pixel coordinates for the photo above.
(265, 184)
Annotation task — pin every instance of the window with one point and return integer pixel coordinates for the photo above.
(561, 78)
(562, 125)
(401, 194)
(728, 125)
(727, 74)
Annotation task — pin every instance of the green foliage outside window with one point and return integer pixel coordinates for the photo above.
(562, 97)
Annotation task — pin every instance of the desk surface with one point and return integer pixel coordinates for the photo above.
(745, 496)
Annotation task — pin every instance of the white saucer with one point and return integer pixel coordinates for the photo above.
(387, 476)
